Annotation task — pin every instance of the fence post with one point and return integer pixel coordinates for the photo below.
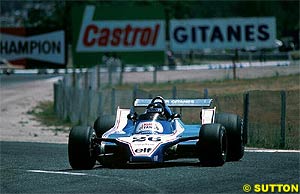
(100, 109)
(155, 74)
(98, 77)
(283, 118)
(113, 100)
(246, 117)
(110, 71)
(73, 78)
(88, 100)
(205, 93)
(121, 73)
(64, 98)
(174, 92)
(55, 97)
(174, 95)
(234, 63)
(86, 80)
(134, 95)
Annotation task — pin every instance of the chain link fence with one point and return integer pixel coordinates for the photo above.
(272, 116)
(273, 120)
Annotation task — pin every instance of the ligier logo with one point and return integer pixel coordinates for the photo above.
(122, 35)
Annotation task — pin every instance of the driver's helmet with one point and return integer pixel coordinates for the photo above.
(154, 111)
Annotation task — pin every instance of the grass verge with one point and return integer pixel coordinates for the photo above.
(44, 113)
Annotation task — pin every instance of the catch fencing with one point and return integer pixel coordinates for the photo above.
(274, 119)
(83, 106)
(271, 117)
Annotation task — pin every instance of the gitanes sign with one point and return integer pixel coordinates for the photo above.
(23, 46)
(122, 35)
(230, 33)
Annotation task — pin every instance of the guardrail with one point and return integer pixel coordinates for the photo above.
(149, 68)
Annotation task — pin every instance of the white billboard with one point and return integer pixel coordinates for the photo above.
(227, 33)
(119, 35)
(49, 47)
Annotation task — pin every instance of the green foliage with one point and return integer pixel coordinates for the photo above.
(44, 113)
(286, 12)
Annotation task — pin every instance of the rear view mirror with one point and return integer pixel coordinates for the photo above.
(175, 115)
(132, 116)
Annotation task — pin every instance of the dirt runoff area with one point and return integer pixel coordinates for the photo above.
(19, 98)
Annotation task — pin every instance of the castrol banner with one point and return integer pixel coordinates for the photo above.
(122, 35)
(134, 34)
(31, 47)
(222, 33)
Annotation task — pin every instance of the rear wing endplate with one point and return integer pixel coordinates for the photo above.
(177, 102)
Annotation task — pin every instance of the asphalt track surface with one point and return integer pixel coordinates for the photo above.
(44, 168)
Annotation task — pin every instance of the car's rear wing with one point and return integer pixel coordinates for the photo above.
(177, 102)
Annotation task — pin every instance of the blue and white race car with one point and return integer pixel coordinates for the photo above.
(158, 135)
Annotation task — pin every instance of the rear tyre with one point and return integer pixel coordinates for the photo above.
(212, 145)
(103, 124)
(234, 128)
(81, 149)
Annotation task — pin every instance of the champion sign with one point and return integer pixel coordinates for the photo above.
(49, 47)
(228, 33)
(121, 35)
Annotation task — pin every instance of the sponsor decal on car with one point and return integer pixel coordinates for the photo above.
(153, 127)
(146, 145)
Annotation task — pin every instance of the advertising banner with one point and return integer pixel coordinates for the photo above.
(30, 48)
(227, 33)
(123, 35)
(134, 34)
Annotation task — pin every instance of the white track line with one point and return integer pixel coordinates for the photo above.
(57, 172)
(257, 150)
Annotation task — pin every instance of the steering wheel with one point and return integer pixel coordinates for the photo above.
(161, 100)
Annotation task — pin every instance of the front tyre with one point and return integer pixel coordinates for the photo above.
(103, 124)
(80, 148)
(212, 145)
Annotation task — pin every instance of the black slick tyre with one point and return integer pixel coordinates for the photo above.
(234, 128)
(80, 148)
(212, 145)
(103, 124)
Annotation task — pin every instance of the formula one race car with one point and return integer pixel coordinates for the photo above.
(158, 135)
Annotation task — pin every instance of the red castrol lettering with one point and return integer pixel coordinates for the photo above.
(128, 36)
